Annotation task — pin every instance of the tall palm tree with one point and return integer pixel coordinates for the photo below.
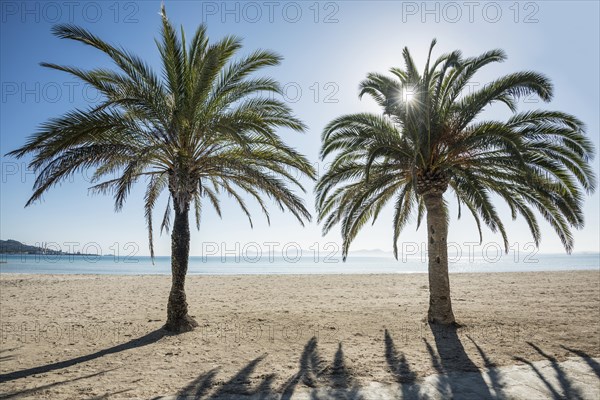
(430, 137)
(205, 127)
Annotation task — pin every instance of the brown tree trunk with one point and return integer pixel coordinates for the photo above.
(178, 319)
(440, 306)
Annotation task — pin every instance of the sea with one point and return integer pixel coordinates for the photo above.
(252, 264)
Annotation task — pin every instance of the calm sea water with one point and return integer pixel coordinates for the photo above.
(46, 264)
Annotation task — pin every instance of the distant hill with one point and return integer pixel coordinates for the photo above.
(16, 247)
(372, 253)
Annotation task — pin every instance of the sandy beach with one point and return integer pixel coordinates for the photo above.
(77, 336)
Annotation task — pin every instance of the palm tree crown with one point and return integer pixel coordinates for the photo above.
(535, 160)
(204, 127)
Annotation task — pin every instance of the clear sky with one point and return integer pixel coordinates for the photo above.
(328, 47)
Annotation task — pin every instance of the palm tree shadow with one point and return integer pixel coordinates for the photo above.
(199, 386)
(313, 372)
(594, 365)
(310, 366)
(340, 379)
(553, 391)
(492, 370)
(147, 339)
(8, 350)
(400, 368)
(453, 358)
(7, 357)
(30, 391)
(442, 383)
(568, 391)
(240, 384)
(340, 375)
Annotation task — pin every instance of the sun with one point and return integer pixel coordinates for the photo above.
(409, 95)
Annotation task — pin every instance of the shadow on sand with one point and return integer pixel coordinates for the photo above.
(451, 358)
(335, 380)
(313, 372)
(26, 392)
(565, 390)
(457, 375)
(139, 342)
(593, 364)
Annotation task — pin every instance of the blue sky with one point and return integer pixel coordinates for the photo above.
(328, 47)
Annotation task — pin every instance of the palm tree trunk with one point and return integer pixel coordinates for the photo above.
(178, 319)
(440, 306)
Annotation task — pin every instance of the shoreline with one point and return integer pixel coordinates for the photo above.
(251, 274)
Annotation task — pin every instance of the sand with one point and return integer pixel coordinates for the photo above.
(90, 336)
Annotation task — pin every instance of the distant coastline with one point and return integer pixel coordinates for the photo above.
(15, 247)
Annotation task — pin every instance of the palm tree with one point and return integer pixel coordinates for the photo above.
(205, 127)
(429, 138)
